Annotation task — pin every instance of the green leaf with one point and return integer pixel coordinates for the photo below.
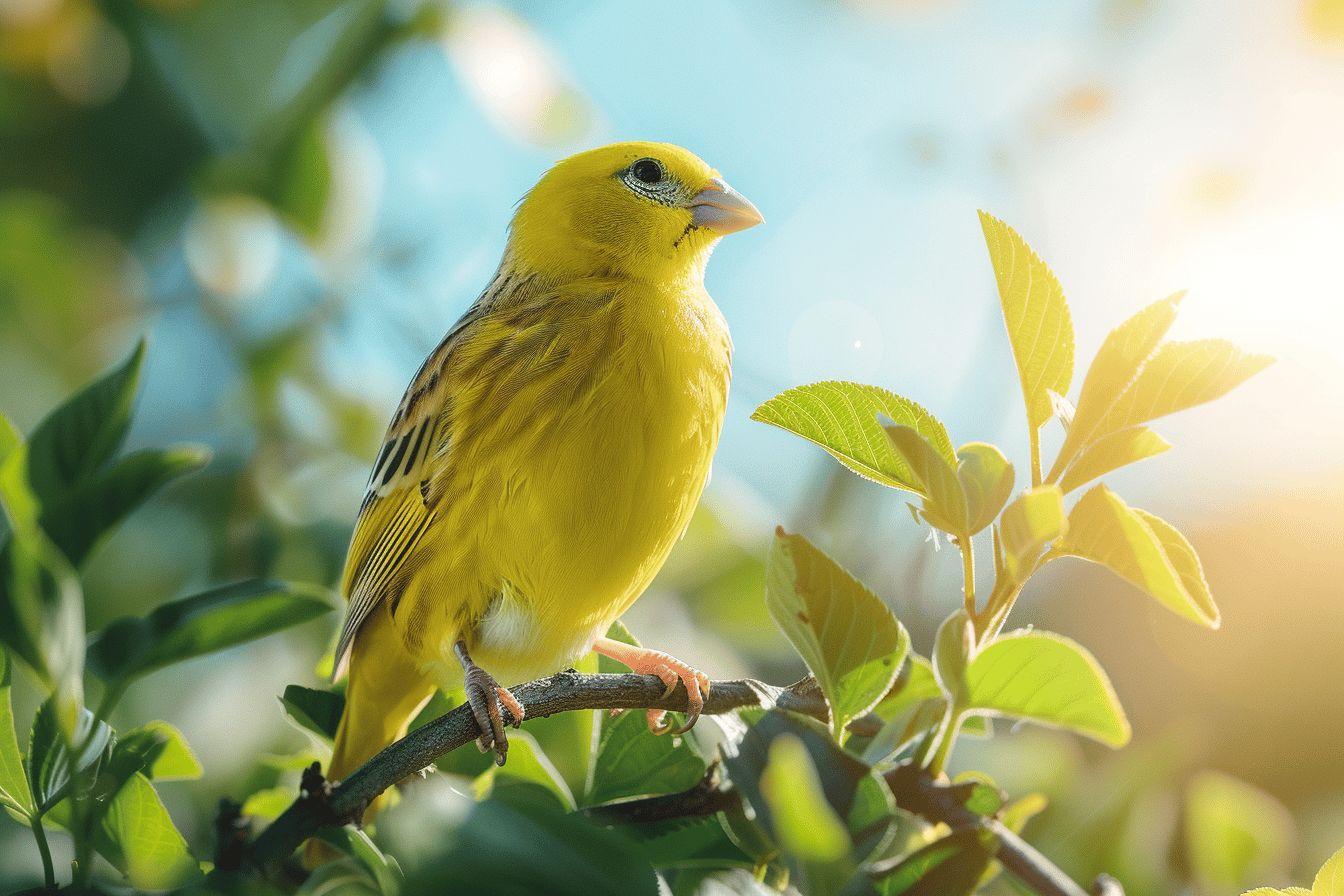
(1034, 519)
(1142, 549)
(1039, 327)
(138, 838)
(535, 849)
(843, 419)
(1181, 375)
(78, 517)
(846, 635)
(81, 435)
(51, 766)
(170, 757)
(528, 764)
(1118, 361)
(203, 623)
(903, 711)
(1111, 452)
(1046, 678)
(632, 761)
(356, 843)
(1236, 834)
(314, 710)
(1330, 879)
(944, 500)
(805, 825)
(986, 481)
(41, 603)
(15, 793)
(949, 866)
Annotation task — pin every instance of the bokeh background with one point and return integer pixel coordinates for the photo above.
(294, 200)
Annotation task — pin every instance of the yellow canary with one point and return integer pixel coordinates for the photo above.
(549, 452)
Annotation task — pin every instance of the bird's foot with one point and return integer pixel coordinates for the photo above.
(489, 704)
(670, 671)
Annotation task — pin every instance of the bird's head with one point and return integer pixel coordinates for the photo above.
(643, 210)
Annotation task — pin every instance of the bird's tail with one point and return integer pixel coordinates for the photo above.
(384, 694)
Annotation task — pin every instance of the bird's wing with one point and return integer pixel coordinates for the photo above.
(394, 515)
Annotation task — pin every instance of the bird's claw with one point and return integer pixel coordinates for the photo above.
(489, 703)
(671, 672)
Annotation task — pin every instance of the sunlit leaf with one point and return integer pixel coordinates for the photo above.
(949, 866)
(1034, 519)
(1111, 452)
(632, 761)
(944, 499)
(846, 635)
(1236, 834)
(314, 710)
(1143, 550)
(986, 481)
(1049, 679)
(203, 623)
(267, 804)
(843, 419)
(903, 709)
(952, 648)
(1330, 879)
(1117, 363)
(138, 838)
(1039, 327)
(805, 825)
(1182, 375)
(80, 436)
(14, 790)
(173, 759)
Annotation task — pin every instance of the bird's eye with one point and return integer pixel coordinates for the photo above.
(648, 171)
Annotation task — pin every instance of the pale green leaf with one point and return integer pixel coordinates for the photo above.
(14, 791)
(1143, 550)
(986, 480)
(1181, 375)
(1111, 452)
(952, 648)
(1039, 327)
(1046, 678)
(1117, 363)
(138, 838)
(949, 866)
(1034, 519)
(1236, 834)
(1274, 891)
(1330, 879)
(944, 499)
(173, 757)
(267, 804)
(846, 635)
(358, 845)
(843, 419)
(632, 761)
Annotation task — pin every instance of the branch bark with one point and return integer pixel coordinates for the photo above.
(322, 804)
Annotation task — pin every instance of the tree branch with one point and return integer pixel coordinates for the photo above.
(321, 805)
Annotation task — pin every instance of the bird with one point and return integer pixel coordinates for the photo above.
(547, 455)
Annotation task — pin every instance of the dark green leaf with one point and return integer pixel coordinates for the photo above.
(813, 837)
(80, 515)
(51, 768)
(192, 626)
(314, 710)
(632, 761)
(81, 435)
(535, 849)
(951, 866)
(355, 843)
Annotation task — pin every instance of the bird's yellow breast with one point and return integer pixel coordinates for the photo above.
(575, 469)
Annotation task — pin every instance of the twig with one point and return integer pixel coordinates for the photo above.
(571, 691)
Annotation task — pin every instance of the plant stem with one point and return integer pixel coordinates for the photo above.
(968, 573)
(1034, 435)
(947, 737)
(40, 835)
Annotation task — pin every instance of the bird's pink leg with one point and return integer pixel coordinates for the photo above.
(669, 670)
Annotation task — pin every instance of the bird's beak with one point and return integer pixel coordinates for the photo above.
(720, 208)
